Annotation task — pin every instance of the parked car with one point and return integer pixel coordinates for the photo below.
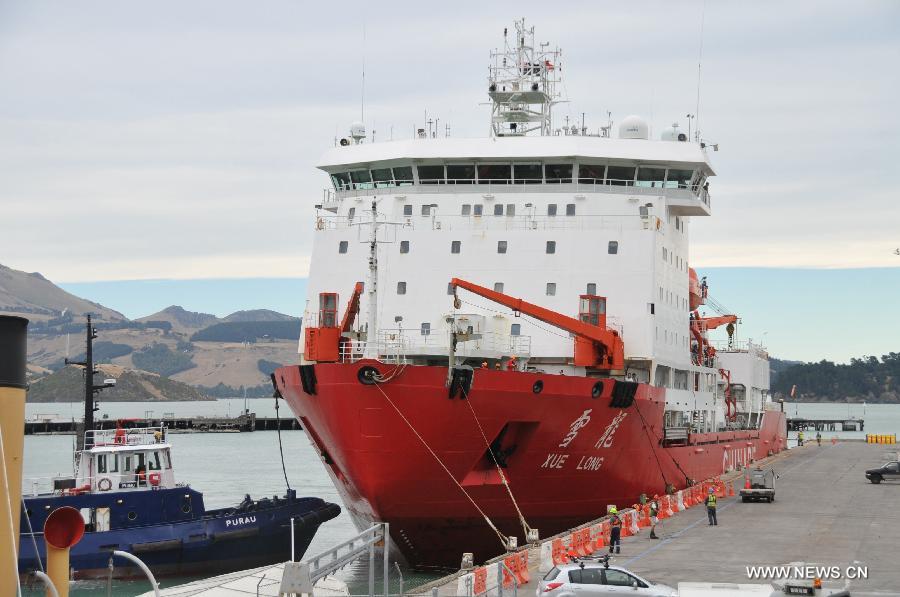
(596, 578)
(889, 471)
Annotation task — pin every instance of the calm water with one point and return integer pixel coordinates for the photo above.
(226, 466)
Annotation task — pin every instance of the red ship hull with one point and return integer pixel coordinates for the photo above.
(567, 453)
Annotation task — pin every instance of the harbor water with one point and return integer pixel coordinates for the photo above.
(225, 466)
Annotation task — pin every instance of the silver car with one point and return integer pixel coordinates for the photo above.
(598, 579)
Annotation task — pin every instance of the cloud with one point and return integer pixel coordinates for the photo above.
(179, 140)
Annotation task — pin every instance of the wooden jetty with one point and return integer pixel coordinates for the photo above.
(244, 422)
(802, 424)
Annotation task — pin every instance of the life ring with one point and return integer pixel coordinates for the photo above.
(104, 484)
(154, 479)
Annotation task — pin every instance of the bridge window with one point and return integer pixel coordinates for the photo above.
(679, 179)
(592, 288)
(510, 209)
(350, 213)
(498, 286)
(558, 173)
(551, 209)
(382, 178)
(403, 176)
(431, 175)
(426, 209)
(494, 173)
(361, 179)
(407, 210)
(551, 288)
(591, 173)
(466, 209)
(401, 287)
(620, 175)
(515, 329)
(551, 247)
(404, 246)
(477, 210)
(650, 177)
(527, 173)
(341, 181)
(426, 329)
(455, 246)
(460, 173)
(498, 209)
(613, 248)
(570, 209)
(501, 246)
(153, 461)
(342, 246)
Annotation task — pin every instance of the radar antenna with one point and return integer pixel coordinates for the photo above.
(522, 85)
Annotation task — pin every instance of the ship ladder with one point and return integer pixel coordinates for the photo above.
(503, 539)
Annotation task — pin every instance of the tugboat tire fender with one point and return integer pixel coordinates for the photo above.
(104, 484)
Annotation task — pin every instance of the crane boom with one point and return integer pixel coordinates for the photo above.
(352, 308)
(596, 346)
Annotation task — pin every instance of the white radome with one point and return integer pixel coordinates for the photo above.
(634, 127)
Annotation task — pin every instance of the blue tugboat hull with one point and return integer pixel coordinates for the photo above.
(172, 533)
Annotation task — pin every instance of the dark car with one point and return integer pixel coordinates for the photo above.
(889, 471)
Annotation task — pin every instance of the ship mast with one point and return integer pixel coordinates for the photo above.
(522, 85)
(372, 289)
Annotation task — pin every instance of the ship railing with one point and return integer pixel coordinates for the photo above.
(670, 189)
(399, 345)
(738, 346)
(506, 222)
(74, 484)
(121, 436)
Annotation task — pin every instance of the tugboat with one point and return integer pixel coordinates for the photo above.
(124, 485)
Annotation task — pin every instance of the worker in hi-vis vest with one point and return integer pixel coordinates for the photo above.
(711, 507)
(615, 530)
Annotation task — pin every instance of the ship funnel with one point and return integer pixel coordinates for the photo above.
(13, 349)
(63, 529)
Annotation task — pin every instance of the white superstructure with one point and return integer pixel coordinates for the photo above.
(545, 218)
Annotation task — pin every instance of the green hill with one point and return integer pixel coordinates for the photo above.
(66, 385)
(868, 379)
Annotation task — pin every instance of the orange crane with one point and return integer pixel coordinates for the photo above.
(699, 327)
(596, 346)
(352, 309)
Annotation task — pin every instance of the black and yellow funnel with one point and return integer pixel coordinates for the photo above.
(12, 427)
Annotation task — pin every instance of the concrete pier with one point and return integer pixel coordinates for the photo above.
(825, 512)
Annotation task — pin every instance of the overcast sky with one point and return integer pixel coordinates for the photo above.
(148, 140)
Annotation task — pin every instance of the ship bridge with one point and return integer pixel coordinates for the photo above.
(677, 171)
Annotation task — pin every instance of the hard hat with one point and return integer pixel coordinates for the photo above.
(711, 490)
(613, 510)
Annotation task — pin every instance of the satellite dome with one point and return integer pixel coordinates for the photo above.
(634, 127)
(670, 133)
(358, 130)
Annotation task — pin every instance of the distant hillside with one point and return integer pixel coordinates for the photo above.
(131, 386)
(776, 366)
(182, 319)
(258, 315)
(249, 331)
(868, 379)
(35, 297)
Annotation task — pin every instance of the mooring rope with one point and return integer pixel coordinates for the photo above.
(487, 519)
(525, 526)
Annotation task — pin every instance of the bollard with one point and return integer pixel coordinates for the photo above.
(12, 430)
(63, 529)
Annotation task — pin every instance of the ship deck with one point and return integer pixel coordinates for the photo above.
(825, 512)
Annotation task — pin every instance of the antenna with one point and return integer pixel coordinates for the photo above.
(362, 101)
(699, 64)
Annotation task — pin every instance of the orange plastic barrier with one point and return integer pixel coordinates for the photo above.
(480, 584)
(599, 534)
(583, 545)
(644, 520)
(558, 551)
(522, 574)
(667, 508)
(512, 563)
(731, 489)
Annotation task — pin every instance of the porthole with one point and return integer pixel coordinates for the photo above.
(597, 390)
(186, 507)
(132, 515)
(538, 387)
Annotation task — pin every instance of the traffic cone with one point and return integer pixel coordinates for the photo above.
(731, 489)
